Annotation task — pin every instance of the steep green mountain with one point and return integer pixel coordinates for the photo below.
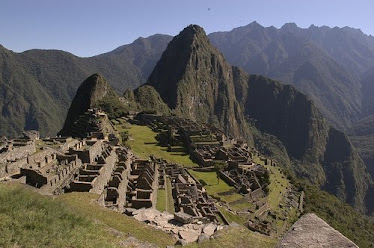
(195, 81)
(38, 85)
(290, 55)
(318, 151)
(145, 98)
(24, 103)
(94, 92)
(362, 136)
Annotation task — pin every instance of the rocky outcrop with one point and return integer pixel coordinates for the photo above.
(311, 231)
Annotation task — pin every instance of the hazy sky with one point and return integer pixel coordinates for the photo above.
(90, 27)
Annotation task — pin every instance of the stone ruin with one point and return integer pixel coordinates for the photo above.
(196, 216)
(189, 196)
(142, 184)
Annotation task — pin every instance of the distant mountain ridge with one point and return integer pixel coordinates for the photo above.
(310, 59)
(37, 86)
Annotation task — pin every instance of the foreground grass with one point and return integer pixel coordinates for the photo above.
(144, 144)
(237, 237)
(28, 219)
(85, 204)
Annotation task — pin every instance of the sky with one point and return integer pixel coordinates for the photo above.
(90, 27)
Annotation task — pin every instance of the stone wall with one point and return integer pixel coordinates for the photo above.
(12, 168)
(88, 153)
(17, 152)
(101, 180)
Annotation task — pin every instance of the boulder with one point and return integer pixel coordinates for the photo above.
(209, 229)
(167, 216)
(312, 231)
(189, 235)
(183, 218)
(148, 214)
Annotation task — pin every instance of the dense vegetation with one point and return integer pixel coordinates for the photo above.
(37, 86)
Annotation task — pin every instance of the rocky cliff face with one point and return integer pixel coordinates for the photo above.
(318, 151)
(195, 81)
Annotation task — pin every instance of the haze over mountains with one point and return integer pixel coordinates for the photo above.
(332, 66)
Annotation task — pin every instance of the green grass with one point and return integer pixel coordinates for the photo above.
(277, 188)
(28, 219)
(210, 179)
(213, 186)
(240, 206)
(278, 185)
(85, 204)
(169, 196)
(144, 144)
(161, 200)
(231, 217)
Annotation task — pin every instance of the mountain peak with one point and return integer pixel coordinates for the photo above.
(291, 26)
(191, 76)
(193, 29)
(191, 33)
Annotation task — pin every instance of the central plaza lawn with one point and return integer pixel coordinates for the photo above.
(143, 142)
(214, 186)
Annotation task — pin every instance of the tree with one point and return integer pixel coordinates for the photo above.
(219, 166)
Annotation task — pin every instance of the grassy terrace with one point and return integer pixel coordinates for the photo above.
(161, 200)
(165, 198)
(143, 142)
(214, 186)
(278, 185)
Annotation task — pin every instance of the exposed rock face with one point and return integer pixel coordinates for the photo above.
(194, 79)
(320, 153)
(311, 231)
